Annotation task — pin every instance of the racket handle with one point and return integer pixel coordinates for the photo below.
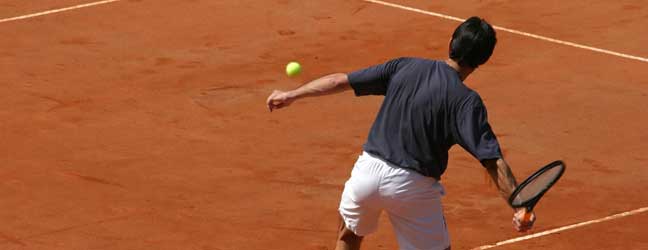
(527, 216)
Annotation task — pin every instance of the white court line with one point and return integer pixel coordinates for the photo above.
(522, 33)
(57, 10)
(552, 231)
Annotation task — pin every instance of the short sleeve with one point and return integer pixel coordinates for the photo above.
(475, 133)
(375, 79)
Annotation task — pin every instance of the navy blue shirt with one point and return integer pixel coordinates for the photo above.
(426, 110)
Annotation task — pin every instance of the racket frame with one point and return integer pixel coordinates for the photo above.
(530, 204)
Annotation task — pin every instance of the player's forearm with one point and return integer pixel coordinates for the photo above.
(501, 174)
(325, 85)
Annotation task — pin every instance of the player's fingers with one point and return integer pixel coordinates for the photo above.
(283, 104)
(278, 99)
(274, 95)
(271, 105)
(522, 229)
(521, 225)
(526, 227)
(516, 223)
(277, 104)
(529, 220)
(271, 95)
(274, 99)
(269, 102)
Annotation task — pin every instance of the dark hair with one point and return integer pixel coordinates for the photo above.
(472, 42)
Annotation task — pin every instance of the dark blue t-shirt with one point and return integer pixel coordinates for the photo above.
(426, 110)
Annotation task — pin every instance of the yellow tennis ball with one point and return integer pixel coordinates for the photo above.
(293, 69)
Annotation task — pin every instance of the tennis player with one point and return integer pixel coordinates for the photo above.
(426, 110)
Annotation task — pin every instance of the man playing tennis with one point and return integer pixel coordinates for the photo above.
(427, 108)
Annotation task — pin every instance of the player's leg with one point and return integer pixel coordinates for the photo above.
(360, 205)
(414, 207)
(347, 240)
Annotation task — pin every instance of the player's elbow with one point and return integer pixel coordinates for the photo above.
(492, 163)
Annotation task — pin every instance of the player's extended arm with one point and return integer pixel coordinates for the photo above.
(501, 174)
(325, 85)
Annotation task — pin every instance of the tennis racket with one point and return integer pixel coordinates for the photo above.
(529, 192)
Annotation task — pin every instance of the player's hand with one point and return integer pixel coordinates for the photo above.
(279, 99)
(519, 222)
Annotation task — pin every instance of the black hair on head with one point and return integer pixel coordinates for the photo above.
(472, 42)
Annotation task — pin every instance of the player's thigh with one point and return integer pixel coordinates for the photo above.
(416, 213)
(420, 226)
(360, 204)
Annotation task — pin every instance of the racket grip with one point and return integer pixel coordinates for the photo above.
(527, 216)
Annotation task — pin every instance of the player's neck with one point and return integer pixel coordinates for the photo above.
(463, 72)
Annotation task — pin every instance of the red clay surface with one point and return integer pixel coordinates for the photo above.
(142, 125)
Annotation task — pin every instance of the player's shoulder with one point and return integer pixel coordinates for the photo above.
(409, 59)
(417, 60)
(415, 63)
(472, 99)
(464, 96)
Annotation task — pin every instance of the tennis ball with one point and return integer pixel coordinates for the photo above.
(293, 69)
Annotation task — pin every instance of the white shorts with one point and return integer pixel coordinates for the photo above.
(411, 200)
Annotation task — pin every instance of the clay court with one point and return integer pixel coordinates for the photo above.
(141, 124)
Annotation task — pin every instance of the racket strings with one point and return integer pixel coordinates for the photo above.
(538, 185)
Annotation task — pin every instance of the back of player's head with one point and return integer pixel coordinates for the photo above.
(472, 42)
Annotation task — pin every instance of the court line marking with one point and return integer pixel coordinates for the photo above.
(522, 33)
(555, 230)
(47, 12)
